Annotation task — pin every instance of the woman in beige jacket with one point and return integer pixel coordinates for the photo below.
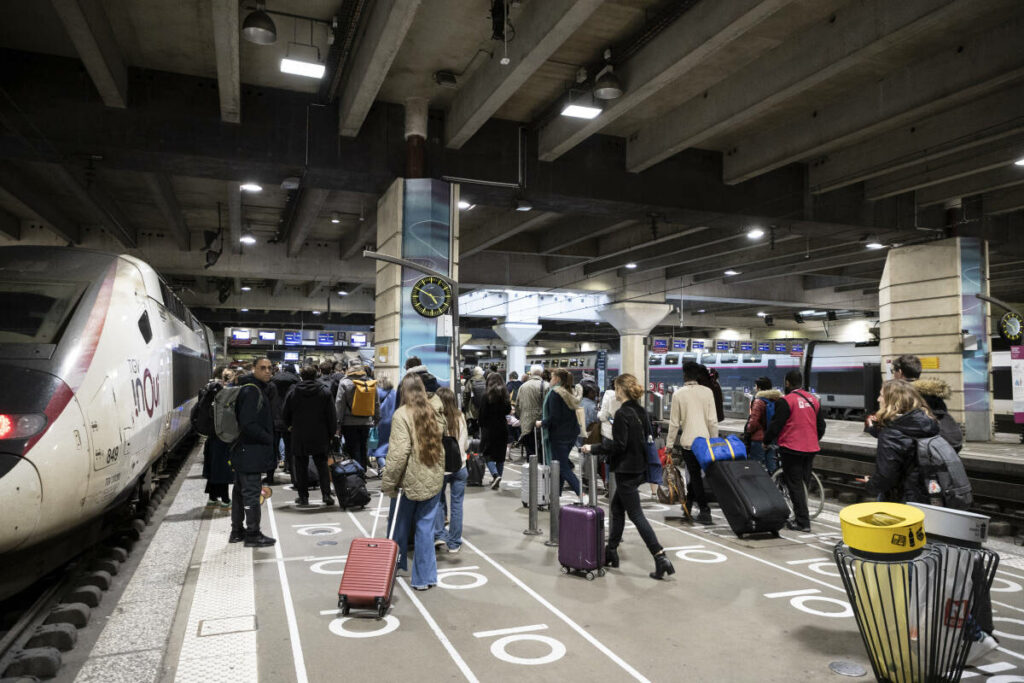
(415, 469)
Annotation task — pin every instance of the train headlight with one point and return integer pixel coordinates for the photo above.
(21, 426)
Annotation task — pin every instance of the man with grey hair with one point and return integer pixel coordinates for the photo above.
(356, 414)
(529, 405)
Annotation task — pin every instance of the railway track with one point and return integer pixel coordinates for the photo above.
(39, 624)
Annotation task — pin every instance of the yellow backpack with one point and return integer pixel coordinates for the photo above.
(364, 398)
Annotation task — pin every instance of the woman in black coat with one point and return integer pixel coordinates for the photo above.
(495, 407)
(902, 418)
(627, 457)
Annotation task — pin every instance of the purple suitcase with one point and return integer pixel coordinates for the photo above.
(581, 537)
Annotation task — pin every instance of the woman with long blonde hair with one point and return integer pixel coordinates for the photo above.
(903, 417)
(415, 470)
(456, 428)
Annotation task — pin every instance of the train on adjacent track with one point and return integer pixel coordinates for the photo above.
(100, 363)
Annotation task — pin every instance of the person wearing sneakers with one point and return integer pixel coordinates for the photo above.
(455, 427)
(762, 409)
(492, 414)
(252, 456)
(310, 418)
(693, 415)
(797, 428)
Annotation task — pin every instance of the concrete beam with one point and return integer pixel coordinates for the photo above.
(982, 121)
(853, 37)
(845, 259)
(984, 63)
(314, 288)
(791, 251)
(96, 201)
(263, 300)
(504, 227)
(588, 228)
(10, 224)
(1003, 201)
(163, 194)
(377, 46)
(236, 286)
(234, 226)
(995, 179)
(262, 261)
(225, 41)
(86, 24)
(676, 241)
(277, 288)
(682, 47)
(540, 30)
(15, 182)
(999, 154)
(309, 202)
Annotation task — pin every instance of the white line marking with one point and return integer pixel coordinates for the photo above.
(289, 608)
(997, 667)
(509, 631)
(790, 594)
(459, 661)
(1009, 652)
(1016, 576)
(1003, 604)
(752, 557)
(558, 613)
(267, 560)
(459, 568)
(810, 561)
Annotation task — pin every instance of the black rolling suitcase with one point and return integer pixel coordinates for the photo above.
(749, 499)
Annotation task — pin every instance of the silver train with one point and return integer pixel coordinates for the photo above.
(100, 364)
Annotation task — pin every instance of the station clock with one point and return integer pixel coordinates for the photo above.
(431, 296)
(1011, 327)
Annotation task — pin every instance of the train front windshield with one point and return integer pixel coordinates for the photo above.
(36, 312)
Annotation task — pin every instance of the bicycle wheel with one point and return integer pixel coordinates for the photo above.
(815, 496)
(780, 483)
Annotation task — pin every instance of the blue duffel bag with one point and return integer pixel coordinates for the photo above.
(716, 448)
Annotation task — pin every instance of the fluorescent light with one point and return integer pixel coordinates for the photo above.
(246, 288)
(244, 310)
(342, 292)
(732, 272)
(300, 68)
(580, 111)
(523, 205)
(335, 217)
(631, 266)
(811, 312)
(755, 233)
(251, 187)
(1019, 162)
(247, 239)
(761, 314)
(316, 312)
(463, 204)
(875, 244)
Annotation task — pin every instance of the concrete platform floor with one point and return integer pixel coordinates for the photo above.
(735, 610)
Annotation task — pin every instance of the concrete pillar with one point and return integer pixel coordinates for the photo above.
(634, 321)
(926, 306)
(516, 336)
(416, 109)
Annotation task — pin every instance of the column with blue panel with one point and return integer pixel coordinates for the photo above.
(974, 327)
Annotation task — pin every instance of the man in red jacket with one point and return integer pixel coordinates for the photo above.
(797, 428)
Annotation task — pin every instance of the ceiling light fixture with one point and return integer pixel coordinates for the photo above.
(247, 239)
(1019, 162)
(761, 314)
(342, 292)
(250, 187)
(523, 205)
(631, 266)
(755, 233)
(246, 288)
(809, 312)
(464, 205)
(335, 217)
(316, 312)
(303, 60)
(731, 272)
(581, 111)
(702, 310)
(244, 310)
(258, 27)
(572, 334)
(873, 243)
(606, 84)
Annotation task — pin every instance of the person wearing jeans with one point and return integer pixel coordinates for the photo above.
(418, 517)
(561, 424)
(455, 427)
(692, 416)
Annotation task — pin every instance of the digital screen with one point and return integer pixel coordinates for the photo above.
(679, 344)
(660, 345)
(780, 348)
(797, 348)
(240, 335)
(764, 347)
(292, 338)
(696, 345)
(269, 336)
(746, 346)
(325, 339)
(357, 339)
(291, 355)
(722, 346)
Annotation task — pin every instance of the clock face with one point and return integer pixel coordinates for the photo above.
(431, 297)
(1011, 327)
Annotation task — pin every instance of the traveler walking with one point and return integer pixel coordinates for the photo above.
(692, 415)
(282, 382)
(561, 425)
(387, 395)
(494, 408)
(529, 407)
(357, 406)
(456, 428)
(310, 417)
(251, 456)
(415, 366)
(762, 409)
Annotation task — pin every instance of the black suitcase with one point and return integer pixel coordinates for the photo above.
(749, 499)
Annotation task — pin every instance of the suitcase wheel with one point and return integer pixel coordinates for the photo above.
(775, 534)
(565, 570)
(526, 505)
(382, 607)
(343, 605)
(601, 571)
(738, 534)
(590, 576)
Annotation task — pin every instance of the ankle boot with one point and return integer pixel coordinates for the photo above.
(661, 566)
(611, 557)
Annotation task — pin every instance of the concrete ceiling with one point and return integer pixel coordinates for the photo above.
(130, 126)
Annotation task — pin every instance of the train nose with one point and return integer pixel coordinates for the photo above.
(22, 494)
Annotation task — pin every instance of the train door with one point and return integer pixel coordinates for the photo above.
(103, 424)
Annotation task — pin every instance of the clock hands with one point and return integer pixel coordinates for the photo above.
(432, 297)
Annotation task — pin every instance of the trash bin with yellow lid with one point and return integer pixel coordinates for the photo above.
(910, 598)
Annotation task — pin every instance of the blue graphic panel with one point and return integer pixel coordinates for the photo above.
(426, 239)
(975, 363)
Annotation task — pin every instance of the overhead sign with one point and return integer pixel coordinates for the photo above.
(780, 347)
(357, 339)
(1017, 371)
(325, 339)
(660, 345)
(764, 347)
(746, 346)
(929, 362)
(697, 345)
(678, 344)
(292, 338)
(722, 346)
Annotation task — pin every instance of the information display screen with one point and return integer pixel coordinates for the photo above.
(292, 338)
(268, 335)
(780, 347)
(678, 344)
(240, 335)
(746, 346)
(357, 339)
(697, 345)
(764, 347)
(291, 355)
(660, 345)
(722, 346)
(325, 339)
(796, 348)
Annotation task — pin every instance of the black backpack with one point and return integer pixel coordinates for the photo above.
(937, 460)
(353, 492)
(201, 416)
(452, 454)
(950, 430)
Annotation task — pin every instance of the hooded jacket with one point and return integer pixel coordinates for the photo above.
(254, 450)
(309, 413)
(757, 423)
(530, 403)
(560, 416)
(429, 382)
(404, 469)
(627, 451)
(282, 382)
(935, 392)
(896, 472)
(343, 402)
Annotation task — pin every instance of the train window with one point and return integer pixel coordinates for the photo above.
(689, 358)
(35, 312)
(672, 359)
(654, 359)
(144, 327)
(564, 363)
(728, 358)
(751, 358)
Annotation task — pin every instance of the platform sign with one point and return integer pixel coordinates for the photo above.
(325, 339)
(746, 346)
(764, 347)
(292, 338)
(1017, 372)
(697, 345)
(240, 335)
(659, 345)
(780, 347)
(601, 368)
(268, 336)
(678, 344)
(722, 346)
(357, 339)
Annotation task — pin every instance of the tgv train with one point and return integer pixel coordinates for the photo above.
(100, 364)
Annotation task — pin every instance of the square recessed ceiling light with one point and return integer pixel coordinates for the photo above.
(303, 60)
(581, 111)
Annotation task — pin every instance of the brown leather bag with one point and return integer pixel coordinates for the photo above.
(594, 434)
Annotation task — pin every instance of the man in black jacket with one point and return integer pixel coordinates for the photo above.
(251, 456)
(413, 365)
(280, 384)
(310, 416)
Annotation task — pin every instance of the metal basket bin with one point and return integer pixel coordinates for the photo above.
(914, 603)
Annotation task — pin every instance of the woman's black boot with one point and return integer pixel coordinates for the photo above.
(611, 557)
(662, 566)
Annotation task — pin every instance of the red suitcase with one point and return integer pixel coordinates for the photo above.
(369, 575)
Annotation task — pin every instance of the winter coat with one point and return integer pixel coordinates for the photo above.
(309, 413)
(254, 451)
(282, 383)
(798, 425)
(692, 415)
(474, 396)
(590, 411)
(610, 405)
(529, 403)
(627, 451)
(934, 391)
(387, 413)
(429, 382)
(216, 461)
(897, 475)
(716, 392)
(757, 423)
(513, 386)
(404, 469)
(494, 428)
(343, 402)
(560, 416)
